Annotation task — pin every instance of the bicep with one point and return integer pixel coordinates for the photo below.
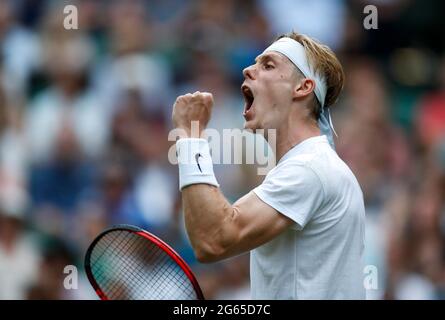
(256, 222)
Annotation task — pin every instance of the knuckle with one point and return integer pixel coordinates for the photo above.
(208, 97)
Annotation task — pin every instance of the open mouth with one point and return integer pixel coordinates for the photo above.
(248, 98)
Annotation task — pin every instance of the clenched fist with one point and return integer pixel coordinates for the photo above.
(195, 108)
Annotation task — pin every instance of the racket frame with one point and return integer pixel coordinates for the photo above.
(150, 237)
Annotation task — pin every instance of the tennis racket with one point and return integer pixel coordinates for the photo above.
(128, 263)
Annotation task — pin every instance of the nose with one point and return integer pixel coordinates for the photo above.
(248, 72)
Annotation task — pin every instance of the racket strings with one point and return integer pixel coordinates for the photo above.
(128, 266)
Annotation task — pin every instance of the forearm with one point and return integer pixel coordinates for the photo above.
(208, 218)
(211, 221)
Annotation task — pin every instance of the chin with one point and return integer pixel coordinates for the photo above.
(250, 125)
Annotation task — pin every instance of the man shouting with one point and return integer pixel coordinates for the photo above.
(304, 225)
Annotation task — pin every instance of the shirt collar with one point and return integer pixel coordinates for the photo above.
(303, 145)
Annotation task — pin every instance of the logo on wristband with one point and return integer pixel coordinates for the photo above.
(197, 162)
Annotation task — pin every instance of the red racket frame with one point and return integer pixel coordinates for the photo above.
(150, 237)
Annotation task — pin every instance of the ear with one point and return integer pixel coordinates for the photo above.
(303, 88)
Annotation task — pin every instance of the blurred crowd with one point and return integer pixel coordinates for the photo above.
(85, 115)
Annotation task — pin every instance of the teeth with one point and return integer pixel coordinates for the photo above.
(248, 95)
(248, 98)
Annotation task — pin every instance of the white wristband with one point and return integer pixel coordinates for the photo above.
(195, 163)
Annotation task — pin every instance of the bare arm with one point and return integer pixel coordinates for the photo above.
(218, 230)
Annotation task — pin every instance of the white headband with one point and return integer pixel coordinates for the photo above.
(295, 52)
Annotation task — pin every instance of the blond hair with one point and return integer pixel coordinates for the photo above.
(326, 64)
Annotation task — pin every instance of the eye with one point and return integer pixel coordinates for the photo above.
(268, 66)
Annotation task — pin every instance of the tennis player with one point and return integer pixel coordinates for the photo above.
(304, 225)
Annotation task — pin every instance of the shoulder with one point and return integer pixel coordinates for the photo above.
(294, 189)
(296, 172)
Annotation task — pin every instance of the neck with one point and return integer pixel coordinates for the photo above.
(289, 137)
